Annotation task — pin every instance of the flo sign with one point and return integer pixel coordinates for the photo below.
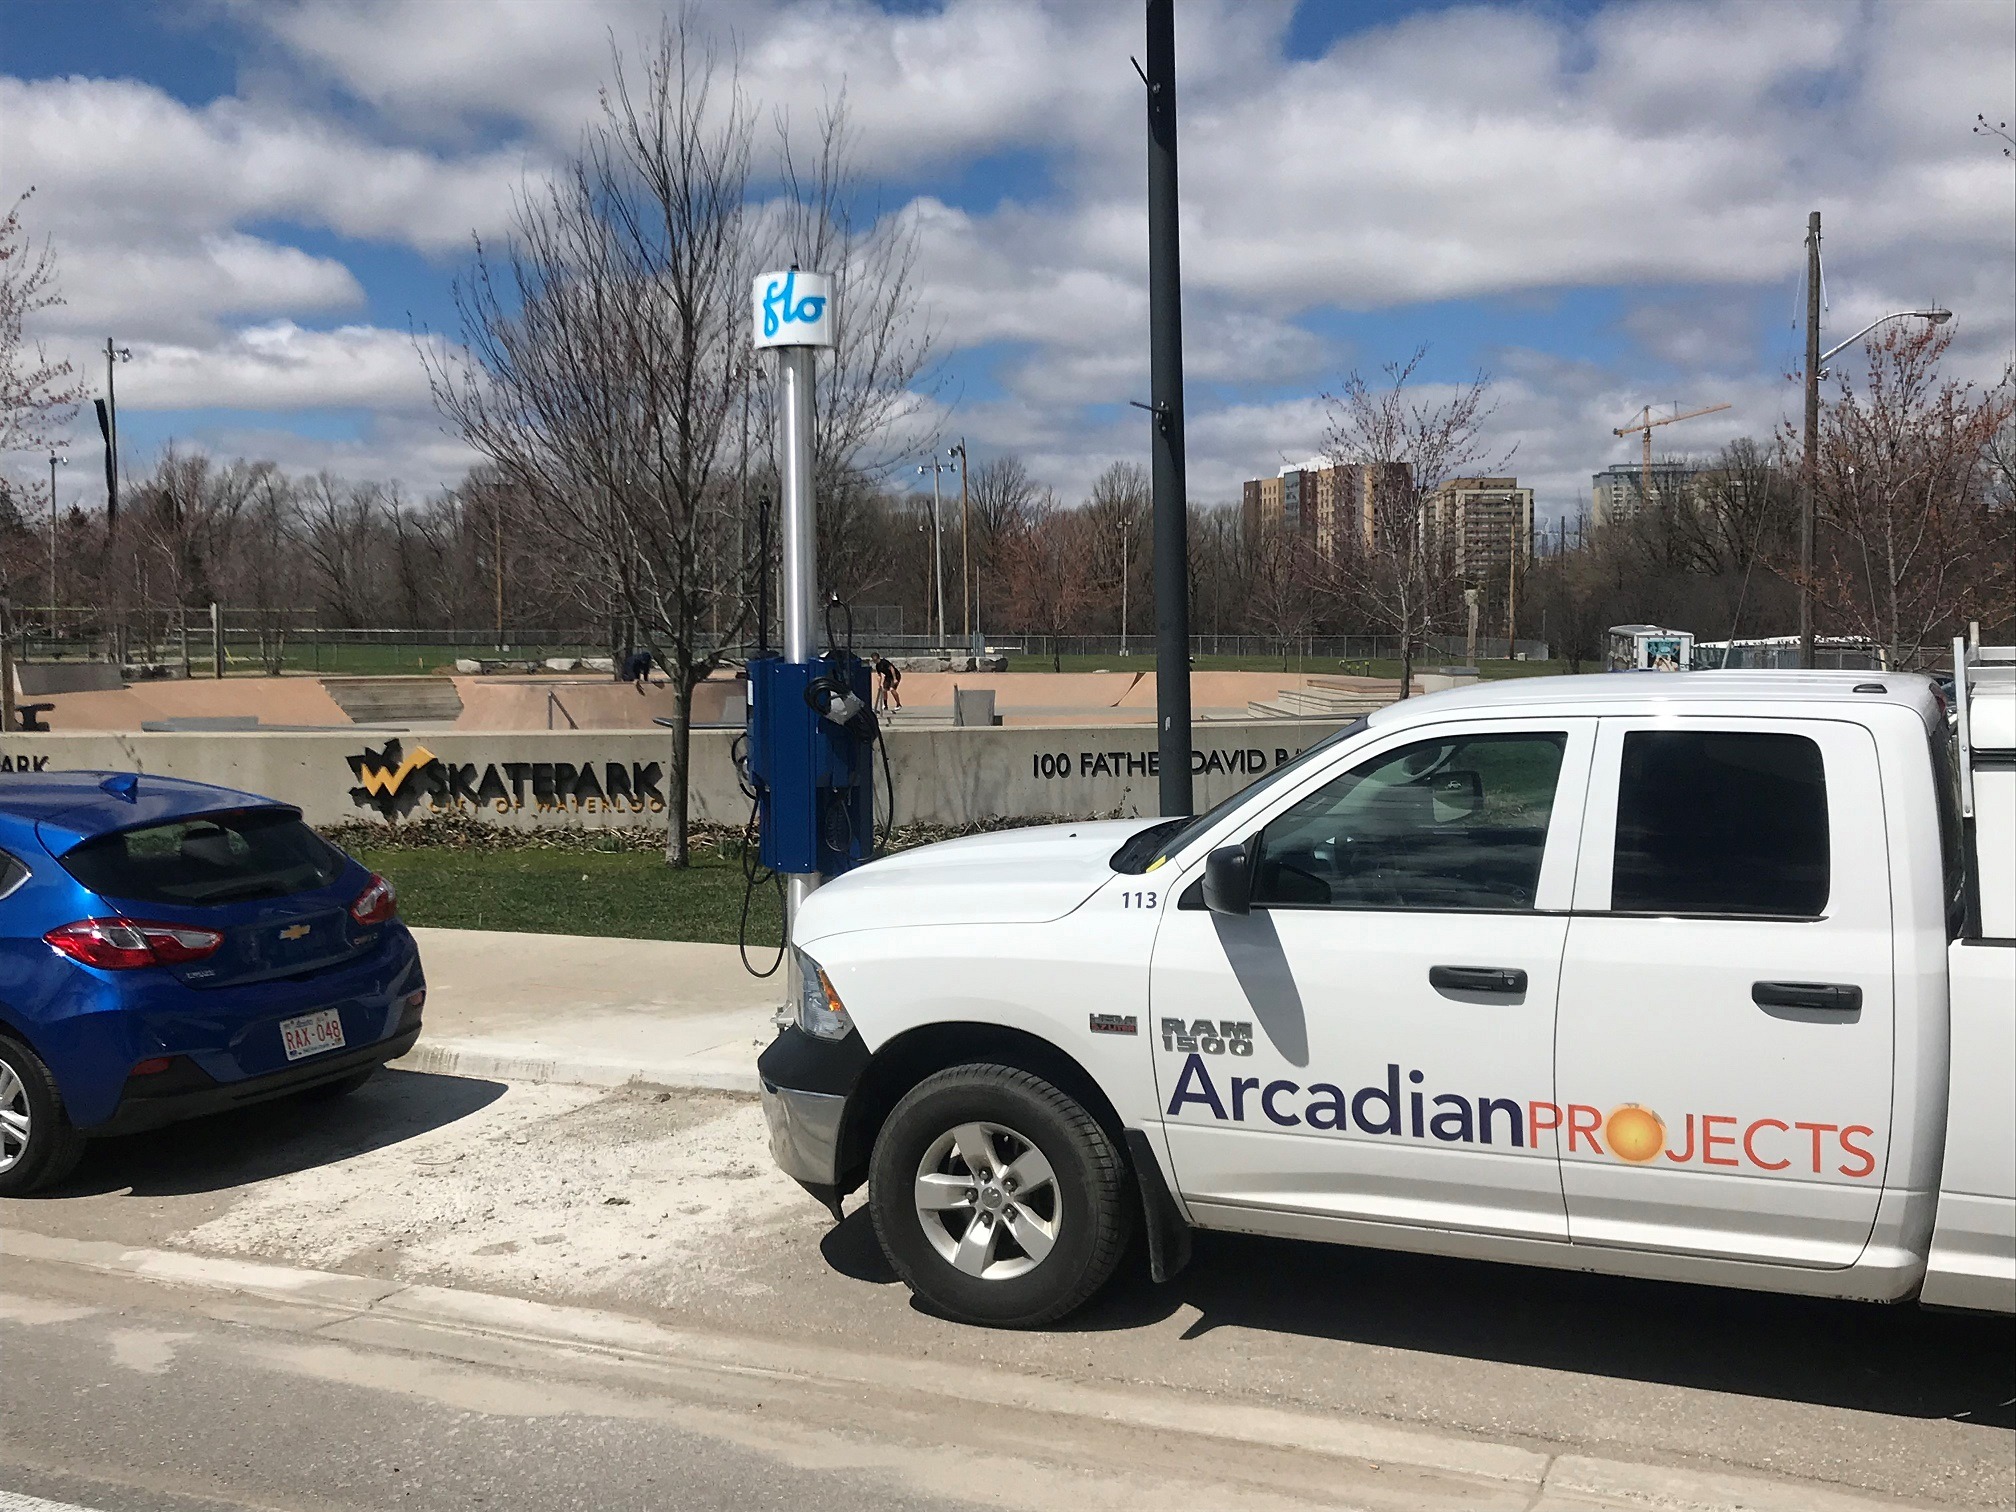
(795, 309)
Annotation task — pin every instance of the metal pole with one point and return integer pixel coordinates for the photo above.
(965, 555)
(1123, 585)
(938, 552)
(1165, 340)
(1809, 476)
(800, 607)
(53, 460)
(217, 638)
(801, 542)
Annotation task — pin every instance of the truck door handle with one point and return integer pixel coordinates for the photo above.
(1477, 979)
(1829, 997)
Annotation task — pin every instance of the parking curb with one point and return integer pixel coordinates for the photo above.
(475, 1058)
(1549, 1478)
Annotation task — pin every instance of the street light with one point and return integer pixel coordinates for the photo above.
(965, 552)
(1936, 315)
(54, 462)
(1123, 585)
(1809, 460)
(934, 468)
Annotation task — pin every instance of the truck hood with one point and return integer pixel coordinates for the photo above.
(1019, 876)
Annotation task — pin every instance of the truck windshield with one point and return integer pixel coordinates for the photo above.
(208, 859)
(1152, 846)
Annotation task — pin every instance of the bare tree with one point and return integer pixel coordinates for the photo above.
(1280, 571)
(38, 395)
(1402, 579)
(1000, 496)
(604, 361)
(1049, 569)
(1913, 540)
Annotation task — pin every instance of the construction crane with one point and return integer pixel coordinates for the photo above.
(1645, 422)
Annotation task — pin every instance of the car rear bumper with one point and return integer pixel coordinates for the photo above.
(187, 1091)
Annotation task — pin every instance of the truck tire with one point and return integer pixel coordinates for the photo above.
(38, 1144)
(998, 1199)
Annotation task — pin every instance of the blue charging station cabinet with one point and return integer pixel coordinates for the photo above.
(814, 776)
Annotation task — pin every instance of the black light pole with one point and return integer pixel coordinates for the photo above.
(1165, 344)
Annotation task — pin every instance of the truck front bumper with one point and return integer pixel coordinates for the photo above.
(806, 1083)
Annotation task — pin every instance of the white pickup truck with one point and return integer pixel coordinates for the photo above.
(1707, 976)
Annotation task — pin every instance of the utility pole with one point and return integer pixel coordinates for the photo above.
(1165, 345)
(108, 423)
(1809, 475)
(965, 551)
(935, 467)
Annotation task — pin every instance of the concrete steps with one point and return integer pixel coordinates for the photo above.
(1317, 702)
(382, 700)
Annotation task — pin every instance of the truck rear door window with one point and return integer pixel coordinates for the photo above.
(1721, 822)
(209, 859)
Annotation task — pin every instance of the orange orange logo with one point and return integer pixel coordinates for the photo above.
(1635, 1133)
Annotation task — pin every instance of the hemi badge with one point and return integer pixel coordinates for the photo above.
(1114, 1023)
(295, 931)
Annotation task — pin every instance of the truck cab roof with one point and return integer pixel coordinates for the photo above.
(1774, 691)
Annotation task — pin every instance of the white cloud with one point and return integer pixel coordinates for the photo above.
(1668, 150)
(279, 367)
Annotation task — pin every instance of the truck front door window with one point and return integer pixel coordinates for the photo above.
(1721, 822)
(1458, 822)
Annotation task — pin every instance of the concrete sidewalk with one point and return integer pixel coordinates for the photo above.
(592, 1011)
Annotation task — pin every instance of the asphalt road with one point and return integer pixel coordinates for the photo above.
(665, 1207)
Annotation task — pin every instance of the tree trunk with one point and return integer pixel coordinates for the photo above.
(678, 759)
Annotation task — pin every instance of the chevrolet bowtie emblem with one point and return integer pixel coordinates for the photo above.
(293, 931)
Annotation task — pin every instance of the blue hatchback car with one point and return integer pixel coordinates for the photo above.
(169, 949)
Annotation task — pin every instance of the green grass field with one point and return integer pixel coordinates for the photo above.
(352, 660)
(1143, 661)
(631, 894)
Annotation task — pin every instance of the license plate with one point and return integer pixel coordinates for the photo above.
(312, 1033)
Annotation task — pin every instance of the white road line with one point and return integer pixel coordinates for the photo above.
(14, 1501)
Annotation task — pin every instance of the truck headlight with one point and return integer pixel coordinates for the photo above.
(821, 1014)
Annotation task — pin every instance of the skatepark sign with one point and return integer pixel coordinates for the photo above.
(393, 782)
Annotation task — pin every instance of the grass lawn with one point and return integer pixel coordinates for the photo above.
(625, 893)
(1143, 660)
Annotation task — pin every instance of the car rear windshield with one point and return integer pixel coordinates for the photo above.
(208, 859)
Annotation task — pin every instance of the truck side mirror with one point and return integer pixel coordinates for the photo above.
(1228, 884)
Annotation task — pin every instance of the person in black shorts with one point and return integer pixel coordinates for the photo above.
(887, 676)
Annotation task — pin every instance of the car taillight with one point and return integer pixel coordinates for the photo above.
(377, 903)
(123, 944)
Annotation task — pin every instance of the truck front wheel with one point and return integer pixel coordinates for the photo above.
(998, 1199)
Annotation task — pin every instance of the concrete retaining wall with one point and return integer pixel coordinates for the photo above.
(599, 779)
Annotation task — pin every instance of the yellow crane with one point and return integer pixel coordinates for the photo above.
(1645, 422)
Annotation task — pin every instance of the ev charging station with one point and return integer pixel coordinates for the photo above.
(812, 732)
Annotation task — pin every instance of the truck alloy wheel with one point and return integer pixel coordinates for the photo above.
(38, 1146)
(998, 1199)
(987, 1201)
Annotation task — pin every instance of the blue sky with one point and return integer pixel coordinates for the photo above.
(1600, 204)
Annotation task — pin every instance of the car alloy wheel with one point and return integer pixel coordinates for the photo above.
(987, 1200)
(17, 1119)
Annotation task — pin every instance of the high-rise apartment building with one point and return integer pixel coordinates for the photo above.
(1485, 524)
(1617, 493)
(1332, 506)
